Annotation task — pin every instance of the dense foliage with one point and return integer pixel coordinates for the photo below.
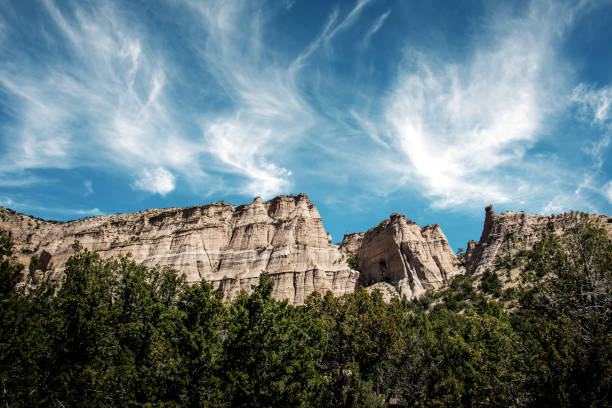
(115, 333)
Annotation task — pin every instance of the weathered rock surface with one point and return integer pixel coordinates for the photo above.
(227, 246)
(506, 233)
(284, 237)
(412, 259)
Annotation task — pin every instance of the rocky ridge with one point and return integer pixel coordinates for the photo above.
(225, 245)
(507, 233)
(230, 246)
(412, 259)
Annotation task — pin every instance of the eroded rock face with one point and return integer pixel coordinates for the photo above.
(231, 246)
(410, 258)
(506, 233)
(227, 246)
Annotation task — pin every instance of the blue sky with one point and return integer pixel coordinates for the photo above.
(433, 109)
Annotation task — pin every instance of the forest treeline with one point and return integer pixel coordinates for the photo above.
(116, 333)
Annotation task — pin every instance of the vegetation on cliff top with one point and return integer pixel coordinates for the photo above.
(114, 333)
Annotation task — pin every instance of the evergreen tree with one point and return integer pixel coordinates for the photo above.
(271, 352)
(115, 333)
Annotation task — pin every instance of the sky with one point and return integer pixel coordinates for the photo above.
(433, 109)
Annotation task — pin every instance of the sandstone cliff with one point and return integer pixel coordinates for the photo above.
(227, 246)
(412, 259)
(506, 233)
(231, 246)
(284, 237)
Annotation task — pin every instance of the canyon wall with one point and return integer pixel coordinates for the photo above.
(412, 259)
(225, 245)
(231, 246)
(284, 237)
(506, 233)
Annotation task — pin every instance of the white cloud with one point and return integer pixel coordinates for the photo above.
(595, 104)
(88, 187)
(289, 4)
(572, 201)
(105, 105)
(460, 130)
(330, 30)
(351, 18)
(597, 149)
(607, 189)
(158, 181)
(90, 212)
(269, 116)
(552, 207)
(375, 27)
(109, 104)
(238, 145)
(41, 140)
(320, 40)
(29, 207)
(370, 129)
(463, 129)
(20, 180)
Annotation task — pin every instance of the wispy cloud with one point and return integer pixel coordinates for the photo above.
(320, 40)
(88, 187)
(595, 106)
(110, 102)
(25, 206)
(104, 103)
(351, 18)
(268, 115)
(90, 212)
(22, 180)
(223, 101)
(375, 27)
(464, 129)
(597, 149)
(6, 202)
(330, 30)
(608, 191)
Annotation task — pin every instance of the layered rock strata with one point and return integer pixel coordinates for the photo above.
(284, 237)
(225, 245)
(412, 259)
(506, 233)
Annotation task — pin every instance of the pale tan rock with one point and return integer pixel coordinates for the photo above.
(506, 233)
(410, 258)
(225, 245)
(284, 237)
(351, 243)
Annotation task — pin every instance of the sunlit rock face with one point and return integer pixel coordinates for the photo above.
(506, 233)
(230, 247)
(225, 245)
(412, 259)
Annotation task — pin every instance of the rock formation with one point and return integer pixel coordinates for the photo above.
(506, 233)
(284, 237)
(399, 252)
(227, 246)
